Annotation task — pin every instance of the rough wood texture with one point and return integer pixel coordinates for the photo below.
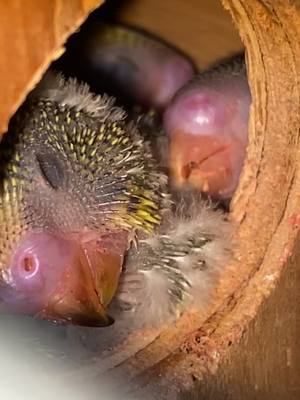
(32, 33)
(265, 364)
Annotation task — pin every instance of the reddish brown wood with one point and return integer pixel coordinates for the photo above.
(31, 36)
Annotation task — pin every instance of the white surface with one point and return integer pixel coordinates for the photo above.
(37, 363)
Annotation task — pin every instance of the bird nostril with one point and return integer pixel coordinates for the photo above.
(29, 266)
(186, 171)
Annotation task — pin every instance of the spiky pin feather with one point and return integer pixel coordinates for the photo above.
(87, 221)
(77, 183)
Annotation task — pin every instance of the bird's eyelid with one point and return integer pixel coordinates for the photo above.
(52, 168)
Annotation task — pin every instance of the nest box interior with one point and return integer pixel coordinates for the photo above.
(245, 344)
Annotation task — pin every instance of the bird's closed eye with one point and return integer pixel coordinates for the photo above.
(52, 169)
(125, 70)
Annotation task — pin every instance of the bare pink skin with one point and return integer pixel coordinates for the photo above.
(151, 73)
(64, 279)
(207, 124)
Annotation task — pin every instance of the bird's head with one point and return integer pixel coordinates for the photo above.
(76, 182)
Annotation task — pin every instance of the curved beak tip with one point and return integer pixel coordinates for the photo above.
(83, 316)
(92, 322)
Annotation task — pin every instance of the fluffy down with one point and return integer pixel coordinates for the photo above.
(176, 268)
(78, 95)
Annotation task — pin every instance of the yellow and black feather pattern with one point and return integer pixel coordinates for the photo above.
(70, 160)
(109, 33)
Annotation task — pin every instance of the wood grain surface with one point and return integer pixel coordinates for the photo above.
(32, 33)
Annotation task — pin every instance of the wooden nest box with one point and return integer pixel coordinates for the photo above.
(246, 346)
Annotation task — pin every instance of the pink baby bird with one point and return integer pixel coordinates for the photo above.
(207, 125)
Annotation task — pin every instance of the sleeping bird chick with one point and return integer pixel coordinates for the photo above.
(207, 125)
(77, 183)
(87, 222)
(133, 66)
